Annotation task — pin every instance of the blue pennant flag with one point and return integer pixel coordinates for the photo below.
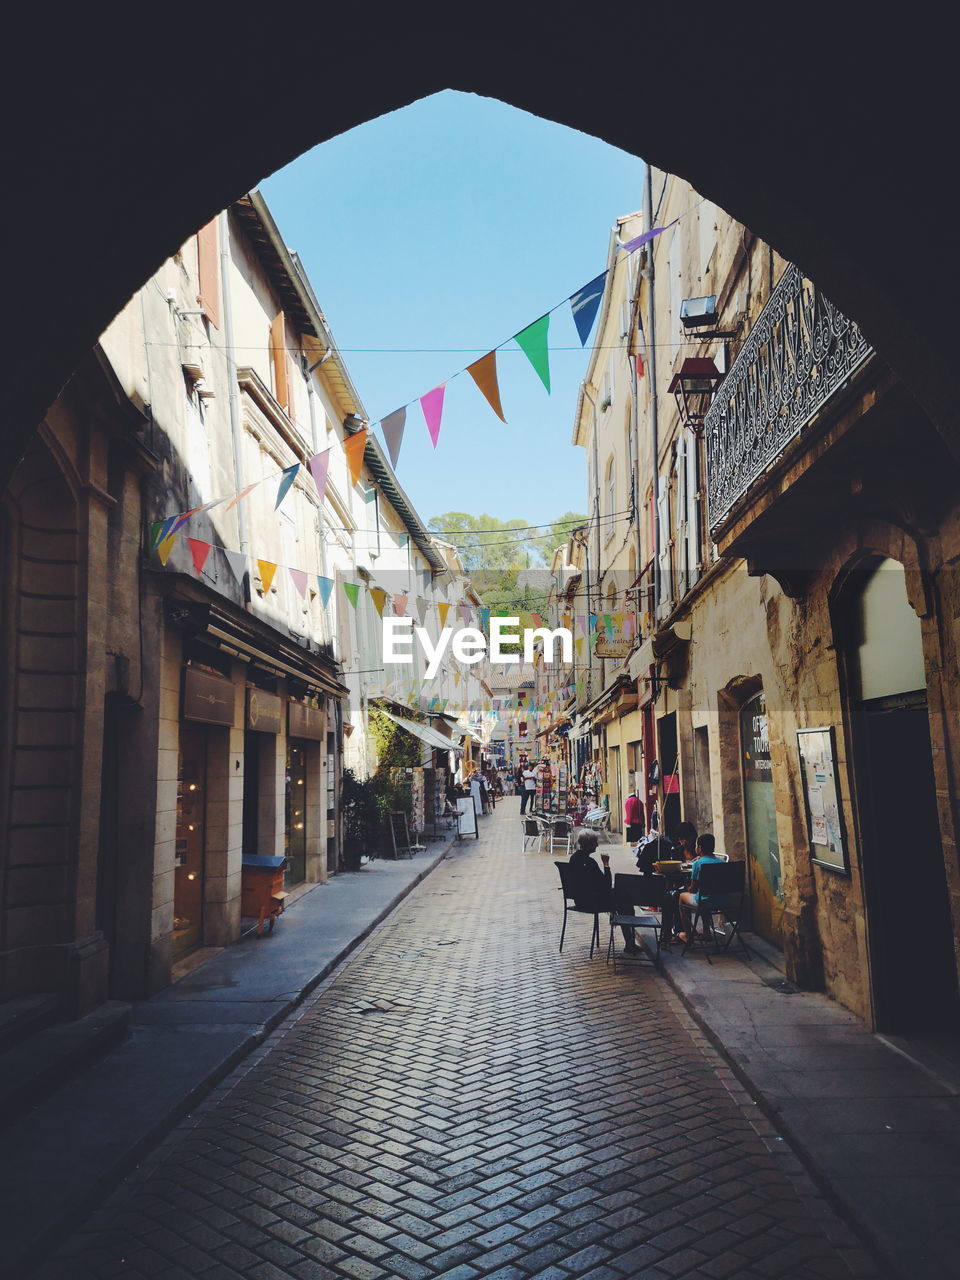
(289, 475)
(585, 304)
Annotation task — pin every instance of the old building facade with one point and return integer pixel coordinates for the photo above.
(795, 662)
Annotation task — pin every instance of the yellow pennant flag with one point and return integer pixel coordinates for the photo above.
(353, 447)
(579, 644)
(484, 374)
(267, 570)
(443, 610)
(379, 599)
(165, 547)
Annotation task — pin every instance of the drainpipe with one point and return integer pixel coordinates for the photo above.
(596, 505)
(236, 418)
(651, 345)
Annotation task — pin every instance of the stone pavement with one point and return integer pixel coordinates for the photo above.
(62, 1156)
(460, 1100)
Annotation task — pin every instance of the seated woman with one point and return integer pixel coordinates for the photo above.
(593, 887)
(692, 898)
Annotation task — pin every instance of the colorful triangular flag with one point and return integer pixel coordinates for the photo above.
(199, 550)
(393, 426)
(632, 245)
(532, 341)
(421, 607)
(484, 374)
(353, 447)
(289, 474)
(400, 605)
(326, 586)
(352, 591)
(432, 406)
(267, 570)
(242, 494)
(237, 561)
(165, 547)
(379, 599)
(442, 611)
(299, 580)
(585, 304)
(319, 464)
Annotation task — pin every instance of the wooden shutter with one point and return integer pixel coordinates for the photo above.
(208, 271)
(680, 491)
(663, 517)
(278, 353)
(694, 564)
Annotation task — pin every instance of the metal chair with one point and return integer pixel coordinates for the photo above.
(569, 904)
(558, 831)
(643, 891)
(728, 878)
(531, 831)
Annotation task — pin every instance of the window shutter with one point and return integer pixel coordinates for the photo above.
(680, 471)
(694, 566)
(208, 271)
(665, 593)
(292, 372)
(278, 354)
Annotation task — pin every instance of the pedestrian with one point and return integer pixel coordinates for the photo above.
(476, 791)
(528, 791)
(593, 888)
(692, 898)
(684, 841)
(633, 816)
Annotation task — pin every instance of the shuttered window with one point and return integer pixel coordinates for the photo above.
(278, 354)
(208, 271)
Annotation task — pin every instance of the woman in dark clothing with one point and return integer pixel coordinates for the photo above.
(593, 887)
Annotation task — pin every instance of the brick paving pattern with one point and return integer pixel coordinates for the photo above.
(462, 1101)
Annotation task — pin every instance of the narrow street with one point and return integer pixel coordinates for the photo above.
(460, 1100)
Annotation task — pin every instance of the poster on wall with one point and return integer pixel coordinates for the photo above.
(818, 754)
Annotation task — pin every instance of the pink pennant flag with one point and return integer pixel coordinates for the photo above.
(199, 550)
(432, 406)
(463, 612)
(318, 465)
(242, 494)
(400, 606)
(299, 580)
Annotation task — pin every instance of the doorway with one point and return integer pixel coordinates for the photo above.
(188, 884)
(913, 969)
(669, 771)
(760, 822)
(295, 818)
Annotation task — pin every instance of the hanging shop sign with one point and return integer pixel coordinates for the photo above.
(264, 711)
(207, 698)
(304, 721)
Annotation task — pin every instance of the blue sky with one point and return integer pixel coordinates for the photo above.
(433, 234)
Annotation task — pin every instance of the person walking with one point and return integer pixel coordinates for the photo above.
(528, 784)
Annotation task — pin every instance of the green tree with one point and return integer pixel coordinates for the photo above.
(559, 533)
(484, 542)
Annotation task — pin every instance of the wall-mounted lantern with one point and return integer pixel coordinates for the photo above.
(693, 386)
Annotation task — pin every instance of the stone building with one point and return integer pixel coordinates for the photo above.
(182, 660)
(799, 653)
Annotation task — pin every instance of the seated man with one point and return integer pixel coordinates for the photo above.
(593, 888)
(693, 897)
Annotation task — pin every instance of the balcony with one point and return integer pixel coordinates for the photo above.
(800, 352)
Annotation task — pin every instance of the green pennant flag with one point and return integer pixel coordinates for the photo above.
(532, 341)
(352, 591)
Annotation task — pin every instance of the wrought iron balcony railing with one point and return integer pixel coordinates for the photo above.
(799, 352)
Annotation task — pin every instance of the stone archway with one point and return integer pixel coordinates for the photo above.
(133, 139)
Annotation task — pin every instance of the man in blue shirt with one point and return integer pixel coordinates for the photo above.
(692, 898)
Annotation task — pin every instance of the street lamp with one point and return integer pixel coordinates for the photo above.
(693, 387)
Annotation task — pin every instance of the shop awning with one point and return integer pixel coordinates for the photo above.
(433, 737)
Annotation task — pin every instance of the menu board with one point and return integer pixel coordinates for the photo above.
(828, 846)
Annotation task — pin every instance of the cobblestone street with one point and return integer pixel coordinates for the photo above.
(460, 1100)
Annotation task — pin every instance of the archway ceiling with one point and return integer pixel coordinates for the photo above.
(829, 140)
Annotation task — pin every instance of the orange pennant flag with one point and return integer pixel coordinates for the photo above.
(443, 610)
(484, 374)
(379, 599)
(267, 570)
(353, 447)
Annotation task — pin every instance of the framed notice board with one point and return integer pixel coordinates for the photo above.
(466, 817)
(828, 841)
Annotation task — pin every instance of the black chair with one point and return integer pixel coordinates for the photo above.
(569, 905)
(531, 831)
(643, 891)
(729, 878)
(559, 831)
